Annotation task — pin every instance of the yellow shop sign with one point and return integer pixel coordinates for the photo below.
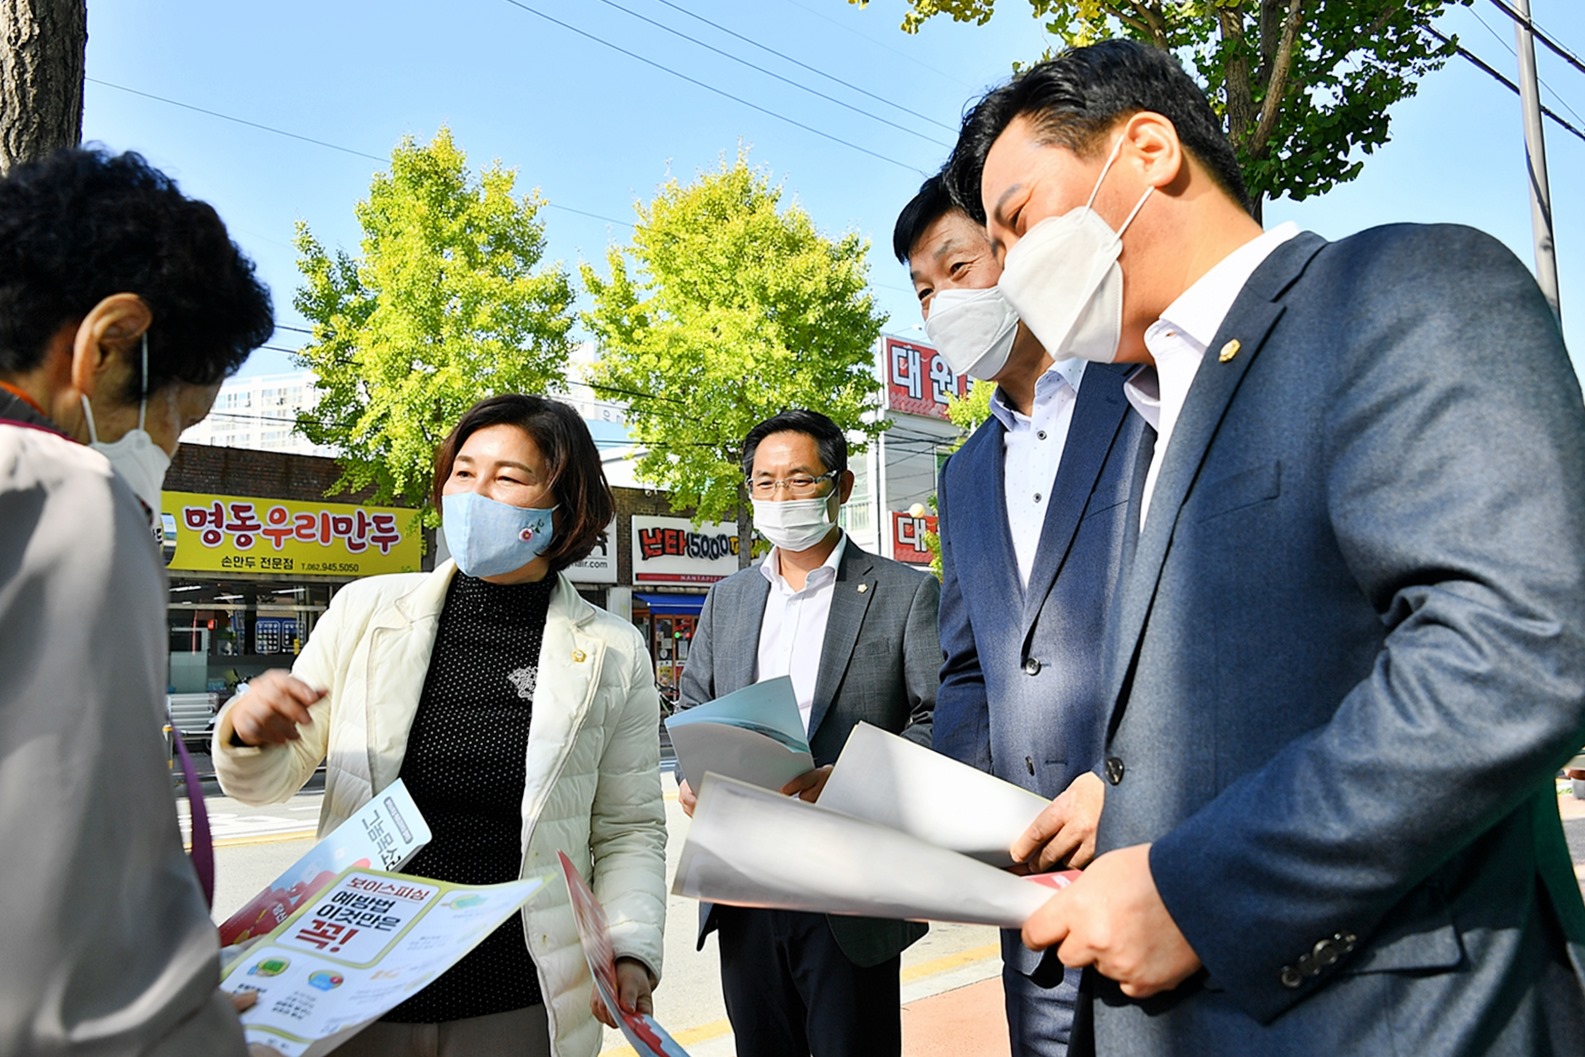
(228, 533)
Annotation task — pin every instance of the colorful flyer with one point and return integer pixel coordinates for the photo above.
(368, 941)
(385, 834)
(642, 1032)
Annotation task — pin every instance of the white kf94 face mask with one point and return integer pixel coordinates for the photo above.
(1063, 279)
(973, 330)
(793, 524)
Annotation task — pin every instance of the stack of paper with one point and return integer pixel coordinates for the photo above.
(899, 832)
(755, 735)
(386, 833)
(368, 941)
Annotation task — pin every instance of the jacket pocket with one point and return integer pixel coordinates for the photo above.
(1423, 937)
(1246, 488)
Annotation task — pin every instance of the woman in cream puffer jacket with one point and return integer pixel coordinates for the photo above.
(592, 785)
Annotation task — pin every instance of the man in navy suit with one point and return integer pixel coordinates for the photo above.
(1350, 649)
(1033, 521)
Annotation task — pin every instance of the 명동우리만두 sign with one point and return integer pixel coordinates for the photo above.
(227, 533)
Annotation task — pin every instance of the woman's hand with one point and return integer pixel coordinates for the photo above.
(275, 705)
(633, 992)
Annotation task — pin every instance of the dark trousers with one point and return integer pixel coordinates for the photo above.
(791, 992)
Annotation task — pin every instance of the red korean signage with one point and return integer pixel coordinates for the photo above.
(908, 537)
(918, 380)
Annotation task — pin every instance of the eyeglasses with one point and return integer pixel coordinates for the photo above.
(798, 486)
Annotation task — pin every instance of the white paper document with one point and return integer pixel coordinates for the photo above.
(755, 735)
(750, 847)
(905, 786)
(369, 940)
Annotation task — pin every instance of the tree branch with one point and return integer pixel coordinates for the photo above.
(1277, 87)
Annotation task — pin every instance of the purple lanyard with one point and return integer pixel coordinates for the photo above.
(203, 855)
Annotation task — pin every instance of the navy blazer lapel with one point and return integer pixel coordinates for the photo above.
(1096, 419)
(850, 598)
(986, 498)
(1250, 320)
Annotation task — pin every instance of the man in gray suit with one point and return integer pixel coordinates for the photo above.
(1350, 650)
(857, 634)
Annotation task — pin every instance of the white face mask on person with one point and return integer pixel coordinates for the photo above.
(1064, 281)
(794, 524)
(973, 330)
(140, 462)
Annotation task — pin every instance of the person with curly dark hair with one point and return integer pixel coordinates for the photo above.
(123, 304)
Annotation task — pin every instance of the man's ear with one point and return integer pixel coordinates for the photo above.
(106, 336)
(1152, 148)
(845, 485)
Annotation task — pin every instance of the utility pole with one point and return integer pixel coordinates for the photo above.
(1535, 157)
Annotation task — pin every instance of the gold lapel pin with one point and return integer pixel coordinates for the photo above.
(1228, 351)
(863, 588)
(578, 656)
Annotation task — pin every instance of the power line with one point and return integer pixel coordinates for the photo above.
(772, 73)
(1557, 49)
(882, 44)
(310, 139)
(1498, 37)
(712, 88)
(1490, 72)
(806, 66)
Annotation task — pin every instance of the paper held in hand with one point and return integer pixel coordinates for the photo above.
(385, 833)
(351, 954)
(905, 786)
(755, 735)
(642, 1032)
(750, 847)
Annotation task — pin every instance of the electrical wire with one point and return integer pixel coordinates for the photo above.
(1492, 73)
(772, 73)
(310, 139)
(1529, 23)
(1498, 37)
(712, 88)
(821, 73)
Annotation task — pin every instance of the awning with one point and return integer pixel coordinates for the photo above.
(659, 603)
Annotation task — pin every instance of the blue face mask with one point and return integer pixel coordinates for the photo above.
(491, 538)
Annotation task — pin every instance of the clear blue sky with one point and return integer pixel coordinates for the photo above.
(596, 130)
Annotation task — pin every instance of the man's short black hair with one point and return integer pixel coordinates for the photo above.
(83, 224)
(830, 440)
(1075, 99)
(932, 203)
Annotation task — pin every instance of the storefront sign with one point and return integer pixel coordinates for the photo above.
(669, 550)
(919, 382)
(228, 533)
(600, 566)
(908, 537)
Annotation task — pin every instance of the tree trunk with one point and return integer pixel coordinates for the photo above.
(41, 77)
(745, 534)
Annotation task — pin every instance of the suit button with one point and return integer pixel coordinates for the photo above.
(1114, 769)
(1032, 666)
(1291, 977)
(1325, 955)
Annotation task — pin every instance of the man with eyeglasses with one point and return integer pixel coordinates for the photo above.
(857, 635)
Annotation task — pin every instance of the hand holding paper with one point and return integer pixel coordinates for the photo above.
(1112, 918)
(755, 735)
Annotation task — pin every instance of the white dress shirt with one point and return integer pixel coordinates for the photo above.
(1032, 447)
(793, 633)
(1178, 340)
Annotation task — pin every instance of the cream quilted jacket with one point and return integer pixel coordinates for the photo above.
(593, 786)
